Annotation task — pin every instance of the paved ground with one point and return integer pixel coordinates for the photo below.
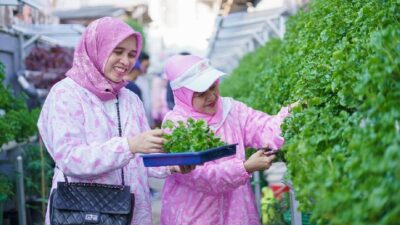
(156, 185)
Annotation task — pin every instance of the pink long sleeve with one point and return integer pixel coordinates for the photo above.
(260, 129)
(214, 178)
(159, 172)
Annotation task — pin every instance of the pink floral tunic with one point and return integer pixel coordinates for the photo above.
(81, 134)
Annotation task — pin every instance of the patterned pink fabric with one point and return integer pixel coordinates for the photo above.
(176, 66)
(219, 192)
(81, 134)
(91, 54)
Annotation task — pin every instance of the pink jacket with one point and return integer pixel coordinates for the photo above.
(219, 192)
(81, 134)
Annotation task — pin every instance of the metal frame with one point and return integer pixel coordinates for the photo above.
(276, 175)
(26, 35)
(237, 34)
(41, 33)
(294, 205)
(32, 3)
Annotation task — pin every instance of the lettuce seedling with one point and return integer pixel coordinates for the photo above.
(190, 136)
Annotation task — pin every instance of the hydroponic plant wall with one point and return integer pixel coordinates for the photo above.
(341, 59)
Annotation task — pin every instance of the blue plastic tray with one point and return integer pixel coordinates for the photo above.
(188, 158)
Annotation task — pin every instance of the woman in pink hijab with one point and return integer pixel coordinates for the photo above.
(218, 192)
(92, 126)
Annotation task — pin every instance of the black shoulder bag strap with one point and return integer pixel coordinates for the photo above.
(120, 134)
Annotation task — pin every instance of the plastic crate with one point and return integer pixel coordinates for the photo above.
(188, 158)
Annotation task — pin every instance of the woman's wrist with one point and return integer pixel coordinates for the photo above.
(173, 169)
(247, 167)
(131, 145)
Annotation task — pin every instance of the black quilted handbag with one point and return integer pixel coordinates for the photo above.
(92, 203)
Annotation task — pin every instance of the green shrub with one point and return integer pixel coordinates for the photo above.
(342, 58)
(5, 188)
(33, 171)
(16, 121)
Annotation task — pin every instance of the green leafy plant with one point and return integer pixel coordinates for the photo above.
(343, 147)
(16, 121)
(192, 136)
(37, 161)
(5, 188)
(38, 173)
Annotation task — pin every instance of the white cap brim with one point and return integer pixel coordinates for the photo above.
(198, 78)
(205, 81)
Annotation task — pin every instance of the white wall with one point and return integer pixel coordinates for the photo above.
(178, 25)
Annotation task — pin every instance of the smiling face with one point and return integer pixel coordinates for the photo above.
(121, 60)
(206, 102)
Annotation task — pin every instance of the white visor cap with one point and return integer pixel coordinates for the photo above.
(198, 78)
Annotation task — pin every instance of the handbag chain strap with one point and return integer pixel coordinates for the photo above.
(120, 134)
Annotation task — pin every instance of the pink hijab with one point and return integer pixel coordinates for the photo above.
(97, 42)
(183, 96)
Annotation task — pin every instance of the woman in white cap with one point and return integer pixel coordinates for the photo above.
(218, 192)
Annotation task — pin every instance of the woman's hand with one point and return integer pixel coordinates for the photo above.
(260, 160)
(147, 142)
(182, 169)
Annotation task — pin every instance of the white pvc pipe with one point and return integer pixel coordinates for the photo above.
(20, 192)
